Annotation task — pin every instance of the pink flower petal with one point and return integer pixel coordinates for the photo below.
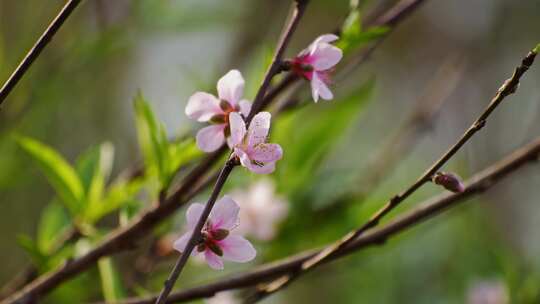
(326, 56)
(326, 38)
(266, 168)
(181, 243)
(238, 129)
(245, 107)
(237, 249)
(266, 153)
(243, 156)
(193, 214)
(210, 138)
(259, 128)
(202, 106)
(319, 88)
(224, 215)
(231, 87)
(213, 260)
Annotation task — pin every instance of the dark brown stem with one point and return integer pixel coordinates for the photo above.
(477, 184)
(509, 87)
(35, 51)
(275, 68)
(196, 235)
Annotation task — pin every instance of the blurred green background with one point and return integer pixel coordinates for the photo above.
(80, 92)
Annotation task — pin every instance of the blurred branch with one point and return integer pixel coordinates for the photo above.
(420, 120)
(124, 238)
(35, 51)
(509, 87)
(477, 184)
(30, 272)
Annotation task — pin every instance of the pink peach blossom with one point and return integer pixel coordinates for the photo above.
(261, 209)
(217, 241)
(488, 292)
(205, 107)
(250, 145)
(315, 64)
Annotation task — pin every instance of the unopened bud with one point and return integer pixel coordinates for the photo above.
(449, 181)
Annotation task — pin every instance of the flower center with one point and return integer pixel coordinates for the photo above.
(224, 118)
(302, 66)
(210, 239)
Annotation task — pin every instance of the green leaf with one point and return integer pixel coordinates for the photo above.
(181, 153)
(58, 172)
(32, 249)
(152, 140)
(53, 222)
(310, 132)
(94, 168)
(111, 285)
(119, 194)
(354, 36)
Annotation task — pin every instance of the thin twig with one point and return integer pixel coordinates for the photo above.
(196, 235)
(477, 184)
(275, 68)
(35, 51)
(509, 87)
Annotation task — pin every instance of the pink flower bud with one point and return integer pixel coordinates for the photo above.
(449, 181)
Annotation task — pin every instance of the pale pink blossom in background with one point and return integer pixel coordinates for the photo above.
(488, 292)
(316, 63)
(205, 107)
(218, 242)
(250, 145)
(224, 297)
(261, 210)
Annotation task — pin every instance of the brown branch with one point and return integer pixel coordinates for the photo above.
(123, 238)
(509, 87)
(477, 184)
(275, 68)
(420, 120)
(196, 235)
(40, 44)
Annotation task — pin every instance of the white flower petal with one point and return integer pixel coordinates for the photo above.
(224, 215)
(238, 129)
(259, 128)
(319, 88)
(326, 56)
(231, 87)
(210, 138)
(237, 249)
(202, 106)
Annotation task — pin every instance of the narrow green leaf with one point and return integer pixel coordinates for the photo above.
(152, 139)
(32, 249)
(111, 284)
(181, 153)
(57, 170)
(354, 36)
(53, 222)
(311, 132)
(118, 195)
